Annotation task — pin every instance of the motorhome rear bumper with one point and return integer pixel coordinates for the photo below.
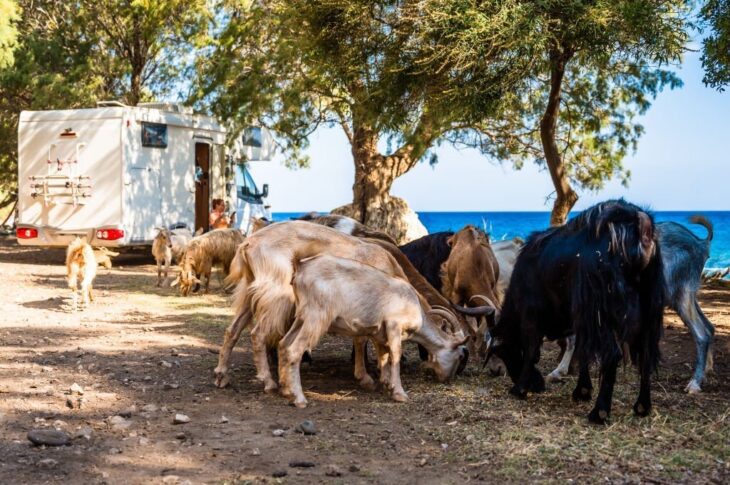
(30, 235)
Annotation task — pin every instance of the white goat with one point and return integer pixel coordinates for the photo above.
(80, 260)
(167, 246)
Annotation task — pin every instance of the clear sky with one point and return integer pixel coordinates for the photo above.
(682, 163)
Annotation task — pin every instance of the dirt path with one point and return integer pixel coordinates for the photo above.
(148, 354)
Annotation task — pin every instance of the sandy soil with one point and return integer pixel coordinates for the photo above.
(146, 353)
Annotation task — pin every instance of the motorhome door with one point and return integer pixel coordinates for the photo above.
(202, 185)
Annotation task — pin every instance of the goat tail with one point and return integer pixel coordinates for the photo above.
(704, 222)
(239, 267)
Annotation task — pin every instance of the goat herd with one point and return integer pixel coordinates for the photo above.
(598, 285)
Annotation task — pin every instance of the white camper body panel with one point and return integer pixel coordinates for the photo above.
(133, 188)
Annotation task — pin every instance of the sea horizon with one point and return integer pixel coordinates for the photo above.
(509, 224)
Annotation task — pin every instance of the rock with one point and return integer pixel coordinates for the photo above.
(58, 424)
(144, 441)
(76, 389)
(47, 463)
(180, 419)
(165, 364)
(302, 464)
(333, 471)
(70, 403)
(306, 427)
(279, 474)
(171, 479)
(278, 433)
(114, 451)
(173, 385)
(128, 412)
(422, 462)
(49, 437)
(390, 215)
(119, 423)
(223, 420)
(150, 408)
(354, 468)
(85, 432)
(255, 452)
(181, 436)
(174, 352)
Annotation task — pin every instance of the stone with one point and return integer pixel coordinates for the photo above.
(306, 427)
(49, 437)
(354, 468)
(333, 471)
(180, 419)
(114, 451)
(255, 452)
(150, 408)
(128, 412)
(165, 364)
(278, 433)
(223, 420)
(279, 474)
(301, 464)
(173, 385)
(144, 441)
(70, 403)
(47, 463)
(84, 432)
(76, 389)
(119, 423)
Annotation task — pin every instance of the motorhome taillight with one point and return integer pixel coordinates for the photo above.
(26, 233)
(110, 234)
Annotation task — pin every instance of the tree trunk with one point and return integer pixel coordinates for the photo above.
(565, 195)
(374, 176)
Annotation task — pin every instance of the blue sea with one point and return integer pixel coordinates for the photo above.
(506, 225)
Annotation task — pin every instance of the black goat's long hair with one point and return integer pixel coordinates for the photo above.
(599, 276)
(427, 254)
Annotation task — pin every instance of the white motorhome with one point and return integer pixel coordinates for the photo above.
(115, 173)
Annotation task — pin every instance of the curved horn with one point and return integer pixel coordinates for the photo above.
(486, 300)
(447, 315)
(475, 311)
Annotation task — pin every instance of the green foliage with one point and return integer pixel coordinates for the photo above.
(8, 31)
(617, 55)
(715, 15)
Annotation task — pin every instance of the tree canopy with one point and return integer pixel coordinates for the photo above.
(715, 16)
(8, 32)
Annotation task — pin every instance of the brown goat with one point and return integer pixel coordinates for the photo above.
(345, 297)
(263, 270)
(103, 257)
(202, 252)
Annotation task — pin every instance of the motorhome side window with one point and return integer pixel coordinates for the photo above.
(252, 137)
(154, 135)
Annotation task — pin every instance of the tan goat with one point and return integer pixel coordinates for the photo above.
(263, 270)
(167, 246)
(80, 261)
(348, 298)
(202, 252)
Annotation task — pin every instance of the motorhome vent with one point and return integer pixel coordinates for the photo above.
(110, 104)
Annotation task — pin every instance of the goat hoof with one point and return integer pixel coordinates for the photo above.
(554, 377)
(221, 380)
(537, 385)
(693, 387)
(518, 392)
(270, 387)
(400, 397)
(598, 416)
(641, 409)
(368, 384)
(300, 403)
(581, 394)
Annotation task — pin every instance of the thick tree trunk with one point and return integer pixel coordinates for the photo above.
(565, 195)
(372, 203)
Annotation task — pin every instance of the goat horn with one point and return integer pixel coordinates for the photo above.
(447, 315)
(475, 311)
(482, 297)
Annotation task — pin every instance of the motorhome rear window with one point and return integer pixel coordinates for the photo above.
(252, 137)
(154, 135)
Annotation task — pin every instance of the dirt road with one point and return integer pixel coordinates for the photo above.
(142, 354)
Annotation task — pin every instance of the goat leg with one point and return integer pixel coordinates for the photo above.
(562, 369)
(688, 312)
(602, 409)
(232, 335)
(361, 373)
(584, 386)
(394, 344)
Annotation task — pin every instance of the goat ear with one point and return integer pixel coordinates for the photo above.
(450, 241)
(175, 282)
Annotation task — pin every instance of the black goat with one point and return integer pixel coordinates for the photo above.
(598, 277)
(428, 253)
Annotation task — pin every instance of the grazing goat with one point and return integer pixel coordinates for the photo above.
(202, 252)
(167, 246)
(683, 259)
(599, 277)
(429, 253)
(435, 299)
(263, 270)
(80, 261)
(103, 257)
(344, 297)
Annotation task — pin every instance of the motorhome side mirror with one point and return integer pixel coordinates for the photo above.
(265, 193)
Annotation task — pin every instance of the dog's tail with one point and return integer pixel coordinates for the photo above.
(704, 222)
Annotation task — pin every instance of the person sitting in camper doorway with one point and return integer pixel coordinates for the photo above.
(218, 218)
